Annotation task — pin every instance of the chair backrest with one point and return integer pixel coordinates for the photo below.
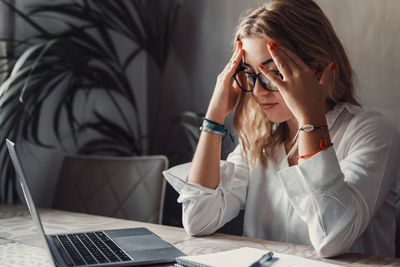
(123, 187)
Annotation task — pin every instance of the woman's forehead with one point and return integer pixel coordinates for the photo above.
(255, 51)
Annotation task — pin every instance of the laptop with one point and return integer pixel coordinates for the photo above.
(121, 247)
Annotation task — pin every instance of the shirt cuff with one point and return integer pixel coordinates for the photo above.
(317, 174)
(177, 178)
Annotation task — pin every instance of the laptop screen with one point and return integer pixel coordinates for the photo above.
(22, 230)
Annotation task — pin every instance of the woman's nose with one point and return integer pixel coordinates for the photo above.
(259, 90)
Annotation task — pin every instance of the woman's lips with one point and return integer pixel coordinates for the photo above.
(268, 106)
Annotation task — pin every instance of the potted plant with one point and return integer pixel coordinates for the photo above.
(81, 59)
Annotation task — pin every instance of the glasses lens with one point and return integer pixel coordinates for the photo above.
(251, 80)
(244, 80)
(247, 81)
(267, 83)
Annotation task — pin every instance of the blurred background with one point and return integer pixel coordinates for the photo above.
(171, 73)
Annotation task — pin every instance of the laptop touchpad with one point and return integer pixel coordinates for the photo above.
(140, 242)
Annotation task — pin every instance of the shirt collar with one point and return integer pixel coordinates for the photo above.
(333, 114)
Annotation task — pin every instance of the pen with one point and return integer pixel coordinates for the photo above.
(264, 258)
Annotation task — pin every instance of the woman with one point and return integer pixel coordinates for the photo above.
(312, 167)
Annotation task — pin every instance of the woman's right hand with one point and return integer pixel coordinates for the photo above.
(225, 95)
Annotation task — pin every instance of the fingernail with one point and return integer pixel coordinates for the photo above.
(234, 62)
(271, 46)
(261, 66)
(334, 65)
(238, 44)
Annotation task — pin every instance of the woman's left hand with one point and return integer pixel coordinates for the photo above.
(303, 93)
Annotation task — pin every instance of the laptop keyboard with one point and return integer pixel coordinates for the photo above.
(88, 248)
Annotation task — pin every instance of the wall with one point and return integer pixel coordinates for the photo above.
(369, 30)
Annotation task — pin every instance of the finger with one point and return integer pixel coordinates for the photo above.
(327, 75)
(234, 58)
(237, 50)
(288, 61)
(232, 67)
(274, 78)
(282, 65)
(295, 58)
(239, 53)
(236, 88)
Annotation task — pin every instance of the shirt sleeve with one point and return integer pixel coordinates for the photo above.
(338, 199)
(205, 210)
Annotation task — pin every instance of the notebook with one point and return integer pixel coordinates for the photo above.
(245, 257)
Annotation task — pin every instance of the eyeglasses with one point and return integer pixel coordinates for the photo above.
(247, 80)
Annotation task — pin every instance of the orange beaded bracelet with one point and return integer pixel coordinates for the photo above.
(322, 147)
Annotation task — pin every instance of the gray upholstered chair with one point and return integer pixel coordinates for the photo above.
(123, 187)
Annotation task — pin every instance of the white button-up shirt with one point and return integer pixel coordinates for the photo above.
(341, 199)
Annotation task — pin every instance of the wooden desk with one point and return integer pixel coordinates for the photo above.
(16, 233)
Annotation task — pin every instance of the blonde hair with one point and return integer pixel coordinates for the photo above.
(302, 27)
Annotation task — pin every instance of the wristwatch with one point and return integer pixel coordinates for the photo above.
(309, 127)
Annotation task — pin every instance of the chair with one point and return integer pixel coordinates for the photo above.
(123, 187)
